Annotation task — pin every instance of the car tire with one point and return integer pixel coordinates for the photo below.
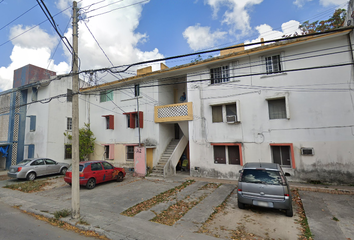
(91, 183)
(289, 212)
(120, 177)
(63, 171)
(240, 205)
(31, 176)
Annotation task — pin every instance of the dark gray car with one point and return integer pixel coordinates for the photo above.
(264, 185)
(34, 167)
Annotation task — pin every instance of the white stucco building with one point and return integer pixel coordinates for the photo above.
(288, 102)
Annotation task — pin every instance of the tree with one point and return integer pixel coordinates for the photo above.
(334, 22)
(86, 142)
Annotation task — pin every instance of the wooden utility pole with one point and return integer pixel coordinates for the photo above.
(75, 189)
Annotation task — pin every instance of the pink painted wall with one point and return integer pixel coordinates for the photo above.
(140, 161)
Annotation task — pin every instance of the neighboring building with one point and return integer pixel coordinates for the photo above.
(288, 102)
(34, 116)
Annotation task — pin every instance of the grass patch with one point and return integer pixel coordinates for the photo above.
(67, 226)
(28, 186)
(82, 222)
(176, 211)
(162, 197)
(305, 229)
(62, 213)
(335, 219)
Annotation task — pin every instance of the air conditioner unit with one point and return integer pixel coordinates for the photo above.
(231, 119)
(307, 151)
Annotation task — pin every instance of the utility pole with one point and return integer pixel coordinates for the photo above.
(75, 189)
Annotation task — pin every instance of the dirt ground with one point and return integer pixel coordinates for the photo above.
(252, 223)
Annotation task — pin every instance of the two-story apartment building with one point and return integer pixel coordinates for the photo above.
(288, 102)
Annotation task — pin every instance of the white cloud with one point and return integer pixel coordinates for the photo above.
(267, 33)
(200, 37)
(300, 3)
(115, 31)
(33, 47)
(237, 16)
(332, 2)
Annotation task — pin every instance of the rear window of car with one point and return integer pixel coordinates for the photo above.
(262, 176)
(23, 162)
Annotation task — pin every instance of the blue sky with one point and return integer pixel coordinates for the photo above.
(131, 31)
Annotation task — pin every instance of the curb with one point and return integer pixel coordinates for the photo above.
(324, 190)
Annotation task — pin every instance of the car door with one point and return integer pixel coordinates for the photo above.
(39, 167)
(97, 171)
(108, 171)
(51, 166)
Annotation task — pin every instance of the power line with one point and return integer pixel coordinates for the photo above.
(17, 17)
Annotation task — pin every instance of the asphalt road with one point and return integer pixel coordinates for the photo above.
(15, 225)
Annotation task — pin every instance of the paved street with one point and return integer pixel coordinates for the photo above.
(102, 208)
(16, 225)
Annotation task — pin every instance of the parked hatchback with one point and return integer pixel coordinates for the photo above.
(94, 172)
(264, 185)
(34, 167)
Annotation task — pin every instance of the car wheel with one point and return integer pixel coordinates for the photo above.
(120, 177)
(240, 205)
(91, 183)
(31, 176)
(63, 170)
(289, 212)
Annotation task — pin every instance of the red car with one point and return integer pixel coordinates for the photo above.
(93, 172)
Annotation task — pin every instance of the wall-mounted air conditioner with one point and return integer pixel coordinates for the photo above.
(231, 119)
(307, 151)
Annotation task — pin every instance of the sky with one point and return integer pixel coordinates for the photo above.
(121, 32)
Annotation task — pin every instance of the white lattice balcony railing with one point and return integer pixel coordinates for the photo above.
(174, 112)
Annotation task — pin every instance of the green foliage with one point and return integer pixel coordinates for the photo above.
(62, 213)
(86, 141)
(334, 22)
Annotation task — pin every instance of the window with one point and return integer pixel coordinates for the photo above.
(30, 151)
(67, 152)
(273, 64)
(96, 166)
(69, 123)
(38, 162)
(34, 94)
(132, 119)
(130, 152)
(136, 90)
(32, 123)
(281, 155)
(226, 113)
(109, 121)
(109, 151)
(107, 166)
(227, 153)
(69, 95)
(49, 162)
(106, 96)
(277, 108)
(219, 75)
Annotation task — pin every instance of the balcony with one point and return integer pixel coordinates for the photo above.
(174, 112)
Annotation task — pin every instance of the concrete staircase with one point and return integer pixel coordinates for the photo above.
(157, 171)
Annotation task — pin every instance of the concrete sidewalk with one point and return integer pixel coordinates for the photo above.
(101, 207)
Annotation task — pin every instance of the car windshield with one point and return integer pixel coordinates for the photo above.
(81, 167)
(262, 176)
(24, 162)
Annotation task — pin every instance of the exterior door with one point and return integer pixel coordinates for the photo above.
(40, 167)
(97, 171)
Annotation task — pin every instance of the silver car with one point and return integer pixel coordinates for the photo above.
(264, 185)
(34, 167)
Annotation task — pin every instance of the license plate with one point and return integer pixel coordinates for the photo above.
(261, 204)
(12, 170)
